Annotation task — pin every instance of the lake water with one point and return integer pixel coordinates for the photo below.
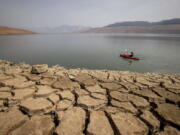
(158, 53)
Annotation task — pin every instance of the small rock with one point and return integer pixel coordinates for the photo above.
(38, 69)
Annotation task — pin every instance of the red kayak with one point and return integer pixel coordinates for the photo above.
(128, 57)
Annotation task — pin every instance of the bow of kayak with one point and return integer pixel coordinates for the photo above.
(129, 57)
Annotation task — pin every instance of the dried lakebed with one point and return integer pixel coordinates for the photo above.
(42, 100)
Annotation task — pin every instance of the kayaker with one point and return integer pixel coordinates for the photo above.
(131, 55)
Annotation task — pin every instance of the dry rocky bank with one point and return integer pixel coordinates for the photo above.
(42, 100)
(13, 31)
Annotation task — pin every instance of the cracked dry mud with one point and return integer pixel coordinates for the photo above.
(42, 100)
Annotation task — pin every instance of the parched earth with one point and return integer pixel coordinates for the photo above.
(42, 100)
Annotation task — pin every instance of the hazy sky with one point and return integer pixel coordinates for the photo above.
(42, 13)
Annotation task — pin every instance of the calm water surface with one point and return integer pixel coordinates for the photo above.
(159, 53)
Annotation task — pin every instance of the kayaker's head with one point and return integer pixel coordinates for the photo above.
(132, 54)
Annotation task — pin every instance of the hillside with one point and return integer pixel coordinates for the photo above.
(171, 26)
(11, 31)
(59, 29)
(145, 23)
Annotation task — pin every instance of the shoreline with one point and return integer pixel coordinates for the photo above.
(83, 69)
(56, 100)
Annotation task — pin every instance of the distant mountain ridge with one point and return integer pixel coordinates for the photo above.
(171, 26)
(11, 31)
(59, 29)
(145, 23)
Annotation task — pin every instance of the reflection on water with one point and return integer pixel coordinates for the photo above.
(130, 62)
(158, 53)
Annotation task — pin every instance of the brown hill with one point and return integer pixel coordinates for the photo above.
(169, 29)
(11, 31)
